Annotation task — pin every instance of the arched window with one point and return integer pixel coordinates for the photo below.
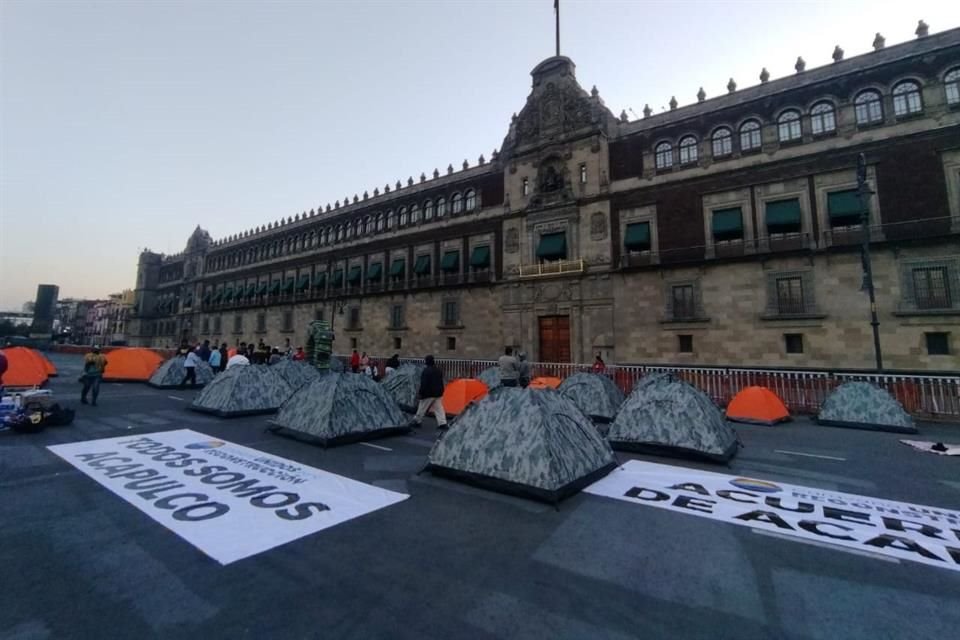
(868, 107)
(414, 214)
(390, 219)
(355, 229)
(823, 118)
(403, 216)
(906, 99)
(339, 234)
(379, 222)
(441, 207)
(456, 204)
(788, 126)
(428, 210)
(367, 227)
(750, 136)
(313, 239)
(470, 200)
(951, 84)
(688, 150)
(326, 235)
(663, 155)
(722, 141)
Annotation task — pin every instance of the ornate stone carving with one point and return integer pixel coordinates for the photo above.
(513, 241)
(598, 226)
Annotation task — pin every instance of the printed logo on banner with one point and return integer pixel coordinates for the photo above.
(929, 535)
(227, 500)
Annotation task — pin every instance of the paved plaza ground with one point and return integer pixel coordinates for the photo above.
(454, 561)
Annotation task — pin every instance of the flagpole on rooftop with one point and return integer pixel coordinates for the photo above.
(556, 7)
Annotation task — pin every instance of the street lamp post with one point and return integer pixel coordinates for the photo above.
(864, 192)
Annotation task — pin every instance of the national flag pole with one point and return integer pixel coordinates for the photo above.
(556, 7)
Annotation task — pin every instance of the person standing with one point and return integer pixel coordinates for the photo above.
(393, 363)
(509, 369)
(599, 366)
(275, 356)
(287, 349)
(204, 351)
(94, 364)
(299, 356)
(523, 371)
(355, 361)
(190, 366)
(224, 357)
(431, 395)
(214, 360)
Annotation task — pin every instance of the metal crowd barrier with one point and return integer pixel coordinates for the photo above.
(802, 391)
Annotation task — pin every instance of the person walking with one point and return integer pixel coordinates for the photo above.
(190, 366)
(355, 361)
(509, 368)
(523, 371)
(94, 364)
(431, 395)
(214, 360)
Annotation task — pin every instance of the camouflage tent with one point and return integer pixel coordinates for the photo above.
(861, 405)
(338, 408)
(296, 373)
(530, 442)
(171, 374)
(490, 377)
(403, 385)
(668, 416)
(596, 395)
(336, 365)
(239, 391)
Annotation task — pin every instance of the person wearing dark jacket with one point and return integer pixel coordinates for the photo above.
(431, 394)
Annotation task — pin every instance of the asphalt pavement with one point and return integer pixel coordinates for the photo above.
(455, 561)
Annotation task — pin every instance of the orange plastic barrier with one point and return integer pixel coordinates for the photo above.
(545, 382)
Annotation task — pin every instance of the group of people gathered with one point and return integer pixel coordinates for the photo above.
(219, 358)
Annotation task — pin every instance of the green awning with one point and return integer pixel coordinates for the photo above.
(480, 257)
(338, 278)
(320, 280)
(303, 283)
(398, 268)
(251, 290)
(783, 216)
(637, 237)
(275, 287)
(727, 224)
(288, 285)
(217, 296)
(353, 277)
(844, 207)
(207, 296)
(450, 261)
(374, 271)
(553, 246)
(262, 289)
(422, 266)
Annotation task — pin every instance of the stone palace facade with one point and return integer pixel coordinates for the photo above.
(726, 231)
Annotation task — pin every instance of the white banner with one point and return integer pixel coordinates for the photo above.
(227, 500)
(907, 531)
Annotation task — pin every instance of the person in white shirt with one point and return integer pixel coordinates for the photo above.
(214, 360)
(238, 361)
(190, 366)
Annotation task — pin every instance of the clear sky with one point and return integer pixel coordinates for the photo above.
(125, 124)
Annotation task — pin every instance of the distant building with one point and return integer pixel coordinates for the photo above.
(725, 231)
(44, 311)
(17, 318)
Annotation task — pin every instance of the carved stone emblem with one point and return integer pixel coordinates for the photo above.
(513, 241)
(598, 226)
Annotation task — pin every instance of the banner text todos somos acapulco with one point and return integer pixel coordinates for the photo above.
(227, 500)
(906, 531)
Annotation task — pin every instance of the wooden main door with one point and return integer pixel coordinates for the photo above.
(555, 339)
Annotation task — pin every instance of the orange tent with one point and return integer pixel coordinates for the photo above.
(24, 368)
(545, 382)
(232, 351)
(462, 392)
(47, 365)
(132, 364)
(758, 405)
